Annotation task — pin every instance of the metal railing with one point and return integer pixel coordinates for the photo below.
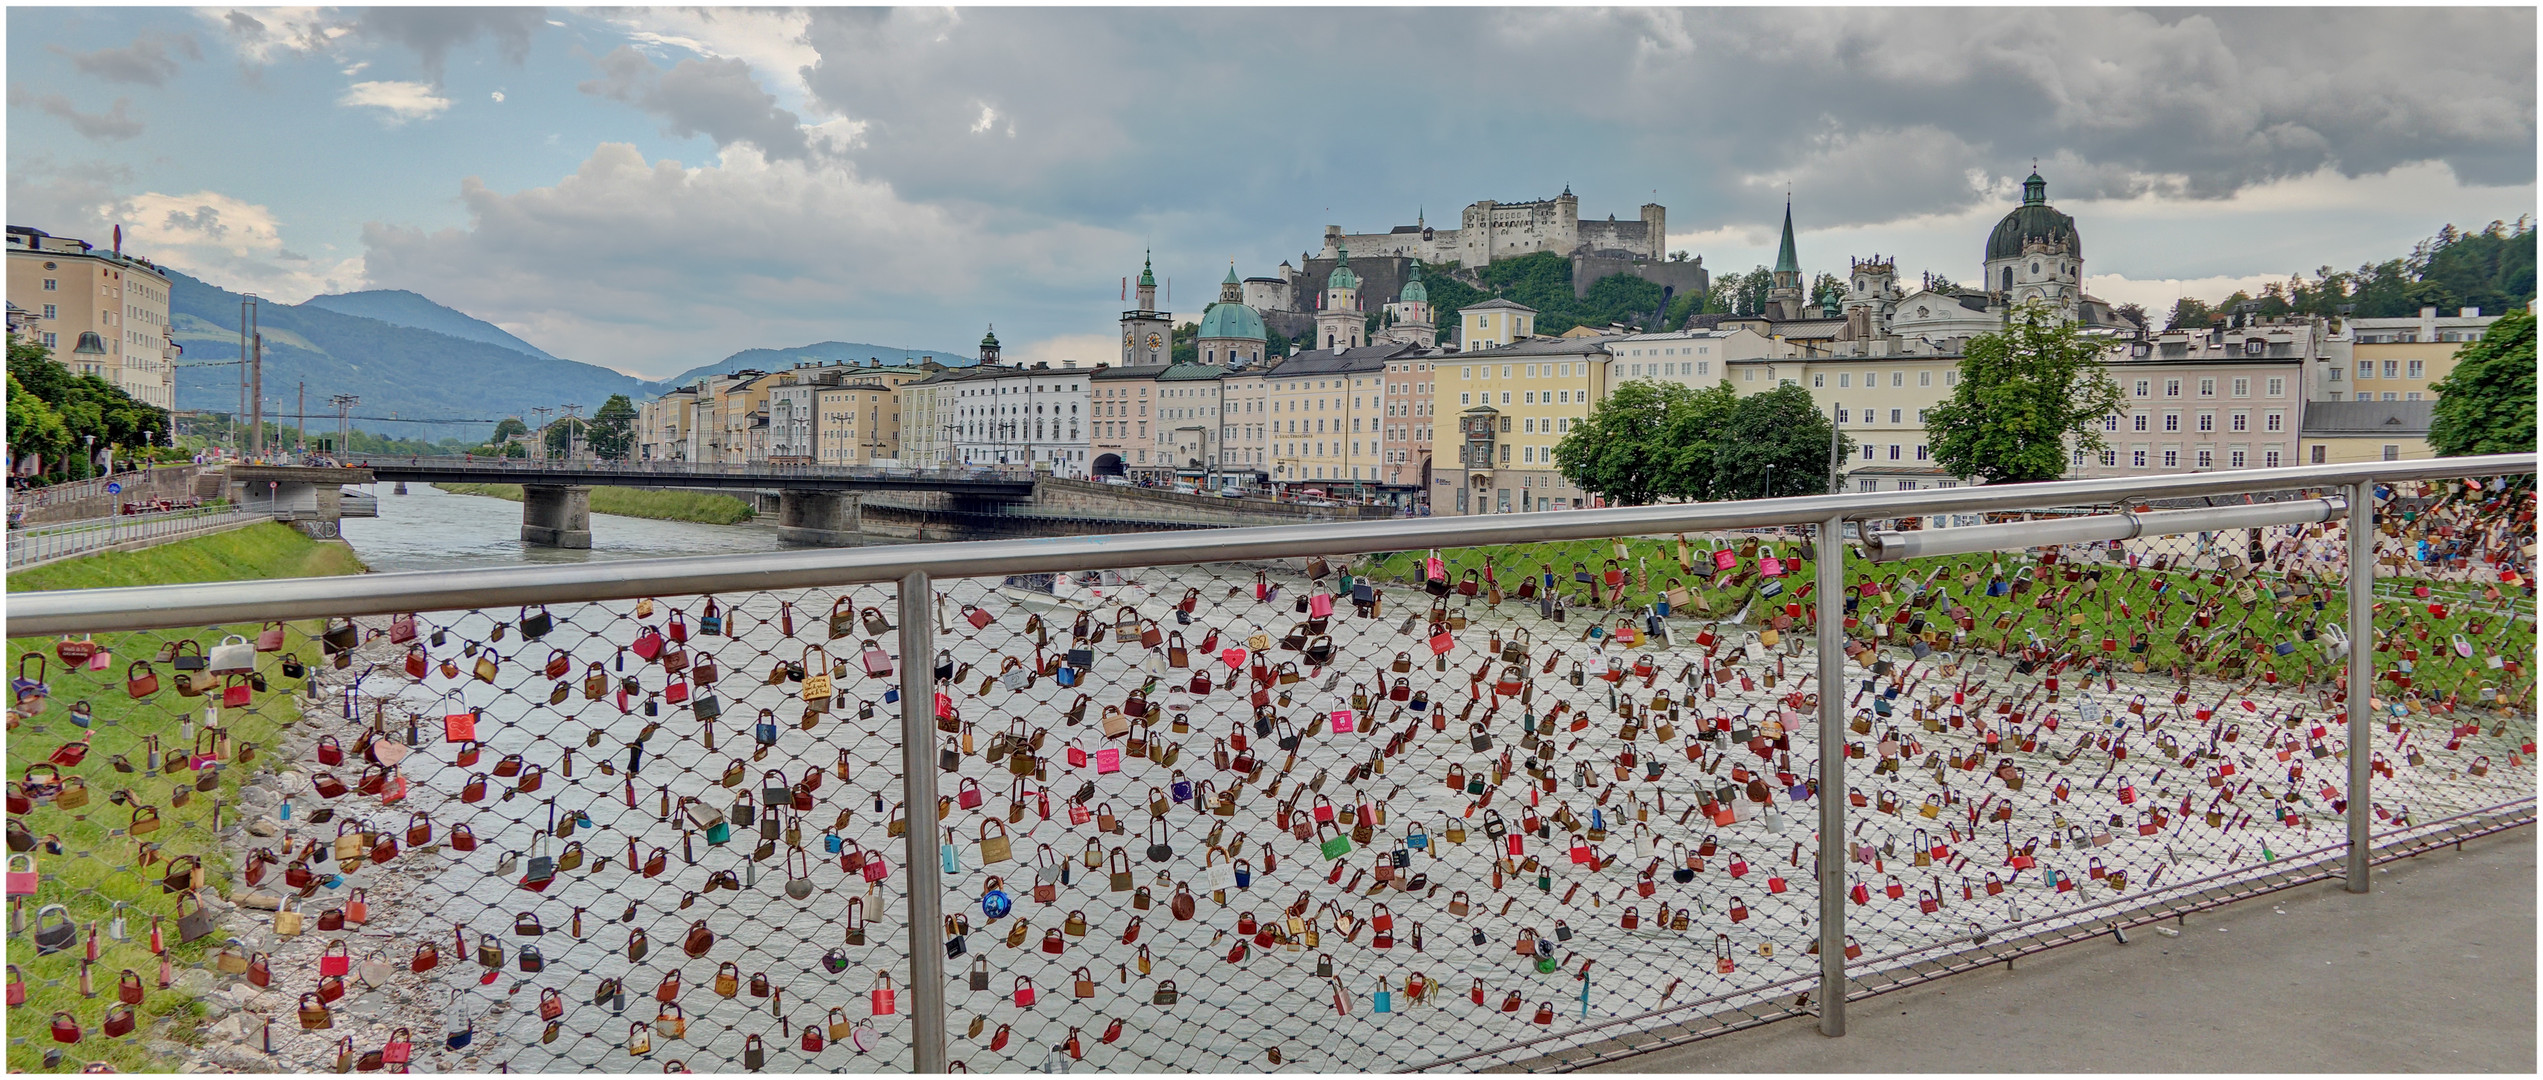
(45, 543)
(1920, 705)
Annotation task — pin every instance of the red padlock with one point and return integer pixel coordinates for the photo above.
(882, 998)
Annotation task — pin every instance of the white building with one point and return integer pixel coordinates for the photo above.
(997, 415)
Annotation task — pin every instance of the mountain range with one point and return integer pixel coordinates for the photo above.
(439, 372)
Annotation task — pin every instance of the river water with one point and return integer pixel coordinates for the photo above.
(431, 529)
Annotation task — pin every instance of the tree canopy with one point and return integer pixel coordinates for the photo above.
(1654, 440)
(55, 413)
(2492, 269)
(613, 431)
(2022, 392)
(2486, 405)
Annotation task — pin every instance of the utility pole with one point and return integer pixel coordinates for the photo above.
(344, 404)
(247, 312)
(541, 412)
(573, 421)
(300, 427)
(256, 396)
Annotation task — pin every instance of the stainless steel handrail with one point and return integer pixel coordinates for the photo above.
(155, 607)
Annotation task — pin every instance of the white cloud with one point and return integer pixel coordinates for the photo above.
(498, 97)
(403, 101)
(1087, 350)
(703, 260)
(227, 240)
(988, 119)
(770, 41)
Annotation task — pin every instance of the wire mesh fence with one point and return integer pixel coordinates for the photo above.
(1522, 805)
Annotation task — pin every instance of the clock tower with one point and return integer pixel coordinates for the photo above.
(1146, 333)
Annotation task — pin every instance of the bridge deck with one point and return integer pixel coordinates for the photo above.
(2432, 971)
(704, 477)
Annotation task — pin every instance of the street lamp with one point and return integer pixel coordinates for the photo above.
(89, 465)
(1770, 479)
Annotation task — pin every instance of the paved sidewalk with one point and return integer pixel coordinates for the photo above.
(2432, 971)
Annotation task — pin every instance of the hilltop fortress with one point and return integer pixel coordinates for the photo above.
(1489, 232)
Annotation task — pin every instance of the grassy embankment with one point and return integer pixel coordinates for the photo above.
(2264, 619)
(636, 502)
(100, 864)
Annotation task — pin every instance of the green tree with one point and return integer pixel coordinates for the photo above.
(613, 433)
(2486, 405)
(1826, 291)
(1615, 451)
(35, 429)
(2022, 393)
(1691, 441)
(89, 410)
(1185, 344)
(1780, 438)
(511, 427)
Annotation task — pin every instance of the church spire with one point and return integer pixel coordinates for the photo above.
(1787, 260)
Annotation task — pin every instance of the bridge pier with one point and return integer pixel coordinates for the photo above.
(557, 516)
(820, 518)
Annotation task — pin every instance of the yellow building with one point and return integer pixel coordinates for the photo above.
(1511, 405)
(2346, 432)
(2403, 359)
(1493, 324)
(1328, 413)
(100, 312)
(858, 420)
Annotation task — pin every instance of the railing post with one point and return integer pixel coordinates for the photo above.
(918, 794)
(1832, 854)
(2361, 665)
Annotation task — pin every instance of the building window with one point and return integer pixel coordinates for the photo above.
(2242, 422)
(2207, 388)
(2410, 395)
(51, 312)
(1845, 379)
(2137, 458)
(1924, 378)
(1749, 375)
(2109, 423)
(2172, 459)
(2269, 459)
(2392, 452)
(2172, 388)
(2207, 421)
(2242, 388)
(2320, 454)
(2392, 369)
(2145, 388)
(2139, 422)
(2419, 369)
(2110, 458)
(2391, 396)
(1819, 381)
(1894, 449)
(2207, 459)
(2172, 421)
(2274, 422)
(2234, 458)
(1869, 451)
(1841, 415)
(2366, 369)
(2077, 460)
(2278, 387)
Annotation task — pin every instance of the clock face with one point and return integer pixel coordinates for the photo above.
(1129, 338)
(1155, 340)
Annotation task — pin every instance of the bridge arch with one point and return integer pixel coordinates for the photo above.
(1110, 465)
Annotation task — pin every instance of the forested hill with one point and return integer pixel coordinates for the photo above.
(402, 371)
(2492, 269)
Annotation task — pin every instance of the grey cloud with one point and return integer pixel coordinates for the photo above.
(243, 23)
(1875, 115)
(433, 32)
(145, 61)
(715, 98)
(114, 124)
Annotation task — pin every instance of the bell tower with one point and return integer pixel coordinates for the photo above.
(1145, 331)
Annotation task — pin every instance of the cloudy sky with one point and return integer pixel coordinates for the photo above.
(654, 188)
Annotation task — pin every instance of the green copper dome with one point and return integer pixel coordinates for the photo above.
(1414, 292)
(1228, 319)
(1148, 273)
(1342, 277)
(2035, 219)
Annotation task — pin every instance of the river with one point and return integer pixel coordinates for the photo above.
(431, 529)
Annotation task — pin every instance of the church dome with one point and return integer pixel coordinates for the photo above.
(1414, 292)
(2034, 220)
(1226, 319)
(1342, 276)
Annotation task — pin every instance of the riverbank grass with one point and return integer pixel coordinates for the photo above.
(100, 864)
(634, 502)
